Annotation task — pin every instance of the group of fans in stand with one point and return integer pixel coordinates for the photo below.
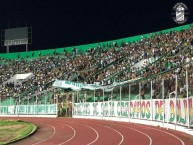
(105, 64)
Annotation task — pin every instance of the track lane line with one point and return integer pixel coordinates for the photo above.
(111, 129)
(49, 136)
(150, 139)
(164, 132)
(95, 132)
(119, 134)
(74, 131)
(97, 135)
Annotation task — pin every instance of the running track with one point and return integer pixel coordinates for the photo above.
(69, 131)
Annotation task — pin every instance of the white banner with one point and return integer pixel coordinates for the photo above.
(29, 110)
(78, 86)
(158, 109)
(75, 86)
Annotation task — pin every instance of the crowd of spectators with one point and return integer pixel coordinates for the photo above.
(105, 64)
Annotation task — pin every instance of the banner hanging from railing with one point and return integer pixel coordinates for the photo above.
(50, 109)
(78, 86)
(157, 109)
(75, 86)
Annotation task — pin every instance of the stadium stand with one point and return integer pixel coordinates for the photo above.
(102, 63)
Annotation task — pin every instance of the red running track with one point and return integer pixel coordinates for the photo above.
(71, 131)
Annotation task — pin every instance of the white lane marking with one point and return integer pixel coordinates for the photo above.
(48, 137)
(166, 133)
(74, 131)
(118, 133)
(93, 130)
(111, 129)
(150, 139)
(96, 134)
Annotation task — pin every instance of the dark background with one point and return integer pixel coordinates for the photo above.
(62, 23)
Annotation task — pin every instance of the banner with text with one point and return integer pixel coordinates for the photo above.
(156, 109)
(29, 110)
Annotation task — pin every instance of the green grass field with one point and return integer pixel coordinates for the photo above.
(12, 130)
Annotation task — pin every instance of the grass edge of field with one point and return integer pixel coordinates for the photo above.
(27, 131)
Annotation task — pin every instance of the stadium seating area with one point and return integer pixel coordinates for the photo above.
(164, 52)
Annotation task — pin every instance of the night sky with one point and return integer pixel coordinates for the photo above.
(62, 23)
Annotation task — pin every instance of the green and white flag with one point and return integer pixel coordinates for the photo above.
(78, 86)
(75, 86)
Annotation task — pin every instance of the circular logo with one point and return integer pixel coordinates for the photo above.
(180, 13)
